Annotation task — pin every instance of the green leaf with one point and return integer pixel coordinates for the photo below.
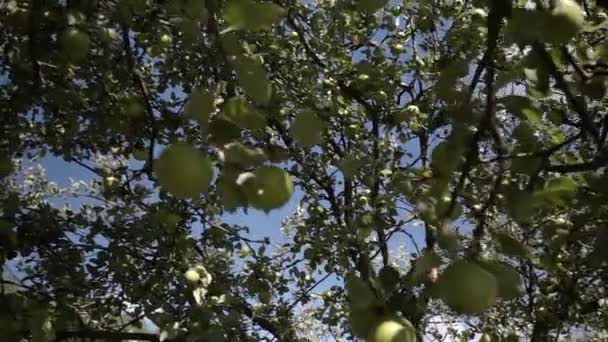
(200, 105)
(359, 292)
(241, 113)
(183, 171)
(6, 166)
(250, 15)
(133, 107)
(509, 280)
(558, 190)
(521, 206)
(75, 44)
(307, 129)
(232, 194)
(389, 278)
(222, 132)
(566, 20)
(448, 78)
(523, 107)
(239, 154)
(526, 165)
(350, 166)
(424, 264)
(362, 321)
(447, 239)
(446, 157)
(370, 6)
(251, 75)
(467, 288)
(510, 246)
(525, 133)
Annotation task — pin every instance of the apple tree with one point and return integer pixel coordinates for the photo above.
(443, 165)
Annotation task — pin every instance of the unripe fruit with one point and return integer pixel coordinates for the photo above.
(111, 182)
(192, 276)
(165, 40)
(245, 252)
(399, 48)
(560, 221)
(413, 110)
(485, 338)
(363, 77)
(393, 331)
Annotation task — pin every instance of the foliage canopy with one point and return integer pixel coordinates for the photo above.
(474, 133)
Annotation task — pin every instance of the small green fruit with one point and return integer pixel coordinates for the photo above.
(560, 221)
(485, 338)
(192, 276)
(245, 252)
(363, 77)
(165, 40)
(393, 331)
(399, 48)
(362, 200)
(111, 182)
(413, 110)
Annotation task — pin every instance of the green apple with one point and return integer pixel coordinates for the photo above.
(393, 331)
(192, 276)
(485, 338)
(165, 40)
(413, 110)
(245, 252)
(111, 182)
(479, 13)
(398, 47)
(363, 77)
(560, 221)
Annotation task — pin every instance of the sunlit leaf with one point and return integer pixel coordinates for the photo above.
(200, 105)
(307, 129)
(468, 288)
(251, 15)
(183, 171)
